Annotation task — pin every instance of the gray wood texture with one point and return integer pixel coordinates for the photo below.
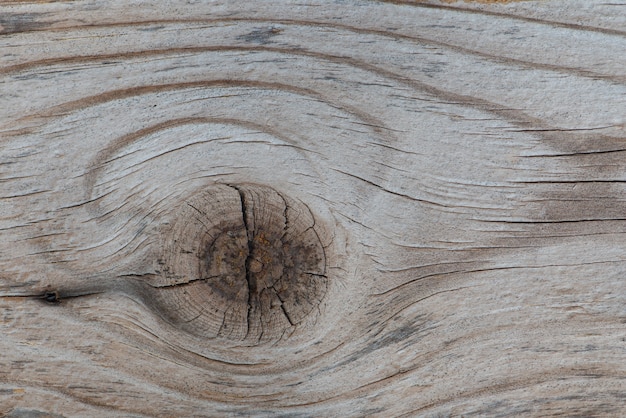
(461, 165)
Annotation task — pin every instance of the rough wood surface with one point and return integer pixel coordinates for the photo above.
(334, 208)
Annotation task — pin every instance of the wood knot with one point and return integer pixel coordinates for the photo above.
(243, 262)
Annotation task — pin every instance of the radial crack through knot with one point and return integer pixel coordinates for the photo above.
(250, 280)
(265, 246)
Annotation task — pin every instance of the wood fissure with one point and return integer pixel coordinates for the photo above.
(252, 288)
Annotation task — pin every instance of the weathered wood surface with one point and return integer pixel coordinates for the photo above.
(463, 167)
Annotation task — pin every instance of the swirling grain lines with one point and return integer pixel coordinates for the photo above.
(223, 370)
(377, 125)
(470, 100)
(105, 156)
(395, 35)
(513, 116)
(296, 23)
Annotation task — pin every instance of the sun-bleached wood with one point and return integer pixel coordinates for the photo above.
(453, 175)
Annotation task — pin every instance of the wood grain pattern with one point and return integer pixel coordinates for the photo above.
(461, 164)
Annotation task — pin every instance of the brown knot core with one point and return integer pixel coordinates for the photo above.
(242, 262)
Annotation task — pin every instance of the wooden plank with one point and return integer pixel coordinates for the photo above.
(322, 209)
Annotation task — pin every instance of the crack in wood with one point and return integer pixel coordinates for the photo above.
(250, 280)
